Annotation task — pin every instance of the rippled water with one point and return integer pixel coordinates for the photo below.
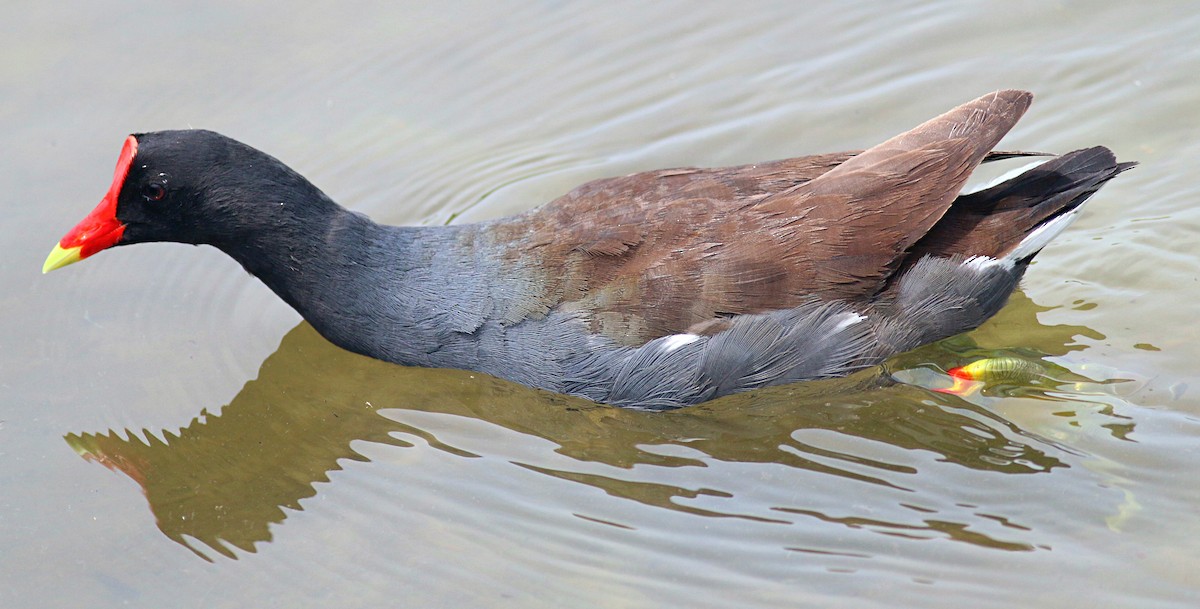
(257, 465)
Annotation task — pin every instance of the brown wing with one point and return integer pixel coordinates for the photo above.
(670, 251)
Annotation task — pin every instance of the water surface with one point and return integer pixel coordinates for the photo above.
(231, 457)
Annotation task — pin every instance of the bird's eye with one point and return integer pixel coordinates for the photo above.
(154, 191)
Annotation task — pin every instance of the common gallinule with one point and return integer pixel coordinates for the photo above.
(653, 290)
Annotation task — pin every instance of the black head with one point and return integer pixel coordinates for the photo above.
(200, 187)
(191, 186)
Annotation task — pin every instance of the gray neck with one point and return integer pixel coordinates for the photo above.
(408, 295)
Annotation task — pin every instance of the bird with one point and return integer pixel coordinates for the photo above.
(655, 290)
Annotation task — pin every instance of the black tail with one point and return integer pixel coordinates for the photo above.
(994, 221)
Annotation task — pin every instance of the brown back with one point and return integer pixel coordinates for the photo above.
(672, 251)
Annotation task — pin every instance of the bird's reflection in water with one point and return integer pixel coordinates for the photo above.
(224, 479)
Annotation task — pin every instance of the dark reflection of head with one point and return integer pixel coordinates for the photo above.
(224, 479)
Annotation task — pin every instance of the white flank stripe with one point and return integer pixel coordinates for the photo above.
(982, 263)
(848, 319)
(675, 341)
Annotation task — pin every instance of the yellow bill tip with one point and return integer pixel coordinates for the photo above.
(61, 256)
